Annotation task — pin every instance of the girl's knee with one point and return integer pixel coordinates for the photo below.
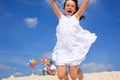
(73, 77)
(61, 76)
(61, 72)
(80, 75)
(73, 72)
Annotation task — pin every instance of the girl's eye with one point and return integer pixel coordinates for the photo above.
(70, 5)
(67, 5)
(73, 6)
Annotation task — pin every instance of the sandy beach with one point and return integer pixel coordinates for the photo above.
(114, 75)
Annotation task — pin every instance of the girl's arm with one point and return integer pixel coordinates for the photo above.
(82, 8)
(53, 72)
(55, 8)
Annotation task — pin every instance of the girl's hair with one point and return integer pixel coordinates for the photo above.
(51, 61)
(76, 2)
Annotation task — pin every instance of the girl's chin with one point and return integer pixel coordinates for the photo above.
(69, 14)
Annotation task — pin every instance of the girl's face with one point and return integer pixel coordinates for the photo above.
(70, 7)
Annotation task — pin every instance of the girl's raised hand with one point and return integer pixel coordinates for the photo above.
(55, 8)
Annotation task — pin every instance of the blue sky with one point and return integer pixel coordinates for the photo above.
(27, 30)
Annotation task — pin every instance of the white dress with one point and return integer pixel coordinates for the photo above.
(73, 42)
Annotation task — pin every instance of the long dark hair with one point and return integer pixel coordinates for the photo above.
(76, 2)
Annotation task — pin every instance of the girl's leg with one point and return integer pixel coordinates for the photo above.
(61, 69)
(80, 75)
(66, 76)
(73, 72)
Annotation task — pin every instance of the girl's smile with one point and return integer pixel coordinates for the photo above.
(70, 7)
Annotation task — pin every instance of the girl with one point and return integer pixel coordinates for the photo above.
(73, 42)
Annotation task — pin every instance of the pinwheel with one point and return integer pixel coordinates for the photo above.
(45, 61)
(32, 63)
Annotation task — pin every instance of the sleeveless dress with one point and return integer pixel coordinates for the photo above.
(73, 42)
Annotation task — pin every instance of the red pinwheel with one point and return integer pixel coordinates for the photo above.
(45, 61)
(32, 63)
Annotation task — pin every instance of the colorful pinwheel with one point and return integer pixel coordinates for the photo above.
(32, 63)
(45, 61)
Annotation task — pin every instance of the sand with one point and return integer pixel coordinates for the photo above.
(114, 75)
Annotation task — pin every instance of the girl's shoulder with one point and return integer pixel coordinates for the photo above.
(62, 17)
(66, 17)
(74, 17)
(69, 18)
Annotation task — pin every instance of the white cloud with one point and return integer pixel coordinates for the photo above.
(38, 71)
(14, 59)
(48, 55)
(94, 67)
(31, 22)
(4, 12)
(4, 67)
(18, 74)
(48, 1)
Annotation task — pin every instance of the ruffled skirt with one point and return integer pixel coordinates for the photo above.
(72, 45)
